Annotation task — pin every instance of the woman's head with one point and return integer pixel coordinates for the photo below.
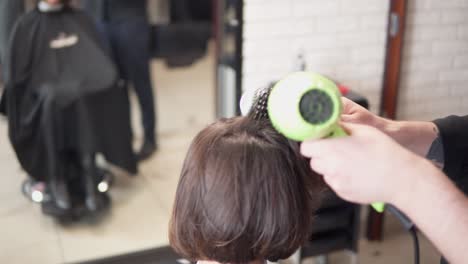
(245, 193)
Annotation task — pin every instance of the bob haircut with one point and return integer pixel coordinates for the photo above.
(245, 193)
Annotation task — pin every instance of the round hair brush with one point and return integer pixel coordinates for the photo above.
(302, 106)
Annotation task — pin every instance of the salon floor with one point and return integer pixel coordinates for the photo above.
(142, 204)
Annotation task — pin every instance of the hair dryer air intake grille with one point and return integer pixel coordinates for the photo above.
(316, 107)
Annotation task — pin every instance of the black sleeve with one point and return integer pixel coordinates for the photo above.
(454, 134)
(3, 103)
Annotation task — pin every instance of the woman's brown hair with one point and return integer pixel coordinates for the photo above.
(245, 193)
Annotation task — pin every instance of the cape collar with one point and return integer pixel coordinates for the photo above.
(46, 7)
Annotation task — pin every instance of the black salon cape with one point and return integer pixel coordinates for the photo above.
(62, 99)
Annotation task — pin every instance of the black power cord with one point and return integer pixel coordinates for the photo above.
(408, 225)
(414, 234)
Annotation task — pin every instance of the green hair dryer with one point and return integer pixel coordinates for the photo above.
(307, 105)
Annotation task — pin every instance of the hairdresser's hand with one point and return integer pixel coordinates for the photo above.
(354, 113)
(366, 167)
(413, 135)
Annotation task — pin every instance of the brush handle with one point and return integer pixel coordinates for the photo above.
(340, 132)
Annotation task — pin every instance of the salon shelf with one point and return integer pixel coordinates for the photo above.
(333, 219)
(331, 200)
(330, 242)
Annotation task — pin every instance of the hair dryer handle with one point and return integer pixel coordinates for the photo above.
(379, 207)
(340, 132)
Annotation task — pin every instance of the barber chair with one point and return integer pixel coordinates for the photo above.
(65, 108)
(184, 40)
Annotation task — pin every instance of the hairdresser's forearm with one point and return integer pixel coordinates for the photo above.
(414, 135)
(439, 209)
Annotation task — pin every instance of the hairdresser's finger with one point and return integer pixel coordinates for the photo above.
(317, 165)
(347, 118)
(329, 167)
(354, 129)
(322, 147)
(315, 148)
(347, 105)
(335, 182)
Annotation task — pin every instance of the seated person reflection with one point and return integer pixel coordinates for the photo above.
(245, 195)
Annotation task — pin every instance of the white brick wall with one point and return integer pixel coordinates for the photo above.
(345, 39)
(435, 64)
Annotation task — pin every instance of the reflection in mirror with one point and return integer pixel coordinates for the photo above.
(102, 99)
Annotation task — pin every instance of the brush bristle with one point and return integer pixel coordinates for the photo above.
(259, 110)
